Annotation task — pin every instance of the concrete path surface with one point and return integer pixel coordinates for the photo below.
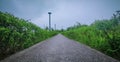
(59, 49)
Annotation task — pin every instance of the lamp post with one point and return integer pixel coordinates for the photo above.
(49, 20)
(55, 26)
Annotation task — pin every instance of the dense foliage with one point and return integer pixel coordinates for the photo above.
(17, 34)
(103, 35)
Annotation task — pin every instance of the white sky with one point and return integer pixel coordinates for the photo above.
(65, 13)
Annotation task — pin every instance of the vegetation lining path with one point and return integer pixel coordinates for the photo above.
(59, 49)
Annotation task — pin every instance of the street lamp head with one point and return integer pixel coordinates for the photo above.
(49, 13)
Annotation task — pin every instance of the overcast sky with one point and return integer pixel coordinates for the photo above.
(65, 13)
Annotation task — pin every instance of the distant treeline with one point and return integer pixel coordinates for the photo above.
(17, 34)
(103, 35)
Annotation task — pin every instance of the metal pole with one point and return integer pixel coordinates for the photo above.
(49, 20)
(55, 26)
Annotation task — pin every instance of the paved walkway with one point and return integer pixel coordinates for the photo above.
(59, 49)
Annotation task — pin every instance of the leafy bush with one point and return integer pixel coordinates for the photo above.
(103, 35)
(17, 34)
